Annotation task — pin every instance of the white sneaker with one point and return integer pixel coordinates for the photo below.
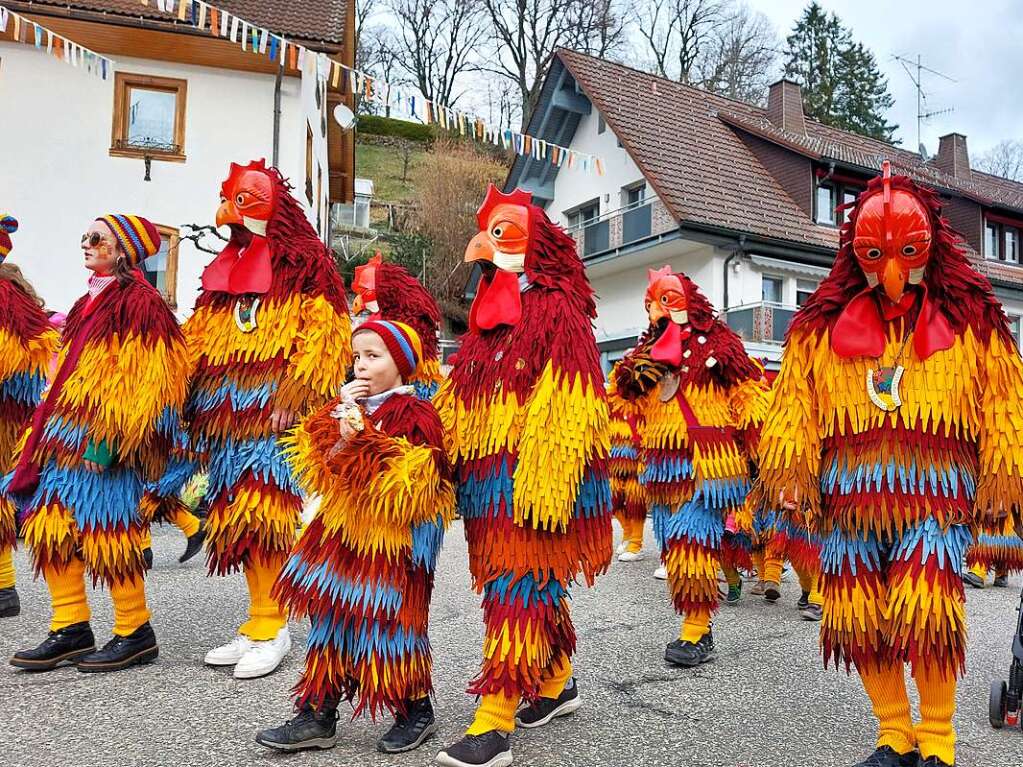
(661, 573)
(264, 657)
(621, 548)
(230, 653)
(631, 556)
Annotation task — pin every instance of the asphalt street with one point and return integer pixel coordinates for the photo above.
(766, 700)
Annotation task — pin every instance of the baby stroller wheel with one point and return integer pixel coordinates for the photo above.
(996, 704)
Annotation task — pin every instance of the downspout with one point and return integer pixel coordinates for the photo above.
(277, 111)
(739, 251)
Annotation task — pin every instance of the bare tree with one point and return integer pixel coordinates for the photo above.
(437, 41)
(1004, 159)
(740, 57)
(525, 34)
(675, 32)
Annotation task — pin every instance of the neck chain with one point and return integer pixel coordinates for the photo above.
(883, 380)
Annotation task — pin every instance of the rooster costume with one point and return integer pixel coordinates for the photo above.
(702, 401)
(526, 412)
(271, 339)
(895, 427)
(27, 344)
(996, 548)
(389, 291)
(627, 498)
(102, 431)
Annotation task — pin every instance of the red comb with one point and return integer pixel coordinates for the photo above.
(886, 198)
(496, 197)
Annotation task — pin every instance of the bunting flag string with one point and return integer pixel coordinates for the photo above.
(24, 30)
(409, 102)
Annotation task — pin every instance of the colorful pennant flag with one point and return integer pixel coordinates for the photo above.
(30, 33)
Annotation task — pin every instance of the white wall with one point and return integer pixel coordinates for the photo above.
(57, 174)
(573, 186)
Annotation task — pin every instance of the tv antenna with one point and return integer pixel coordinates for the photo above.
(921, 95)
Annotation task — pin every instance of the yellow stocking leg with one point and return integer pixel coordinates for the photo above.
(979, 570)
(758, 562)
(886, 689)
(67, 594)
(495, 712)
(558, 674)
(772, 569)
(811, 582)
(130, 610)
(6, 567)
(185, 521)
(266, 617)
(634, 532)
(731, 575)
(935, 734)
(696, 625)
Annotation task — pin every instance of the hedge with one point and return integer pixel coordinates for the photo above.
(386, 126)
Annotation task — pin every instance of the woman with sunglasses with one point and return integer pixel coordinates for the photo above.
(103, 430)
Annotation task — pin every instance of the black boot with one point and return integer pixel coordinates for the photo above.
(886, 756)
(10, 604)
(1001, 581)
(543, 710)
(137, 648)
(971, 579)
(309, 729)
(410, 729)
(194, 544)
(65, 645)
(688, 654)
(490, 749)
(933, 761)
(147, 558)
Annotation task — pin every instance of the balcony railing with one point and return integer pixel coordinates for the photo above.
(624, 226)
(763, 322)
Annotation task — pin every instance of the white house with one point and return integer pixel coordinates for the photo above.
(740, 198)
(155, 138)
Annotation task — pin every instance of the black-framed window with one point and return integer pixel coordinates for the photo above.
(1014, 326)
(1002, 242)
(805, 289)
(829, 195)
(583, 213)
(772, 288)
(601, 125)
(633, 196)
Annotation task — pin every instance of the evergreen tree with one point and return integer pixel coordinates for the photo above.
(842, 85)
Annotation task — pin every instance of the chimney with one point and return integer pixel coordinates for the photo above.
(952, 157)
(785, 106)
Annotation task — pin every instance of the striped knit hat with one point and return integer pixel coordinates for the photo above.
(138, 238)
(8, 226)
(401, 341)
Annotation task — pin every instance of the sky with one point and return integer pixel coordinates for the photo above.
(979, 43)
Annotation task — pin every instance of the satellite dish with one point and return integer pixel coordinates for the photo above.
(344, 116)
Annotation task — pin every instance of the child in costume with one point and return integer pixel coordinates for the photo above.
(526, 413)
(998, 549)
(895, 427)
(26, 345)
(363, 569)
(702, 401)
(627, 499)
(270, 336)
(102, 432)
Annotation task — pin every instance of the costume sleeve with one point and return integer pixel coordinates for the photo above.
(399, 479)
(322, 355)
(565, 429)
(1000, 476)
(790, 442)
(748, 404)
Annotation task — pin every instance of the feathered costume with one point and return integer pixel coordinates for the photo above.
(27, 343)
(702, 401)
(387, 290)
(898, 423)
(526, 413)
(363, 569)
(270, 333)
(628, 500)
(996, 548)
(117, 395)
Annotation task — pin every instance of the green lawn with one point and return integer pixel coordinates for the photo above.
(384, 166)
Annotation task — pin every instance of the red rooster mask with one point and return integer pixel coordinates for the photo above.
(364, 284)
(673, 300)
(247, 203)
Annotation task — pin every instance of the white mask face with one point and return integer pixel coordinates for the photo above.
(680, 318)
(916, 276)
(510, 262)
(255, 225)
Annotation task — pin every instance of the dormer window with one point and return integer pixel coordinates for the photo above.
(830, 194)
(1002, 239)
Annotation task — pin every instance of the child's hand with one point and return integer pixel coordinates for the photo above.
(355, 389)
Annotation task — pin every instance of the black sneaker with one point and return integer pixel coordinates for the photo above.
(886, 756)
(933, 761)
(734, 594)
(147, 558)
(688, 654)
(543, 710)
(63, 646)
(136, 649)
(409, 730)
(971, 579)
(194, 544)
(490, 749)
(309, 729)
(10, 603)
(812, 612)
(803, 601)
(1001, 581)
(772, 591)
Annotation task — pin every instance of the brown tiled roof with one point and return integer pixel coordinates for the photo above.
(687, 143)
(309, 20)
